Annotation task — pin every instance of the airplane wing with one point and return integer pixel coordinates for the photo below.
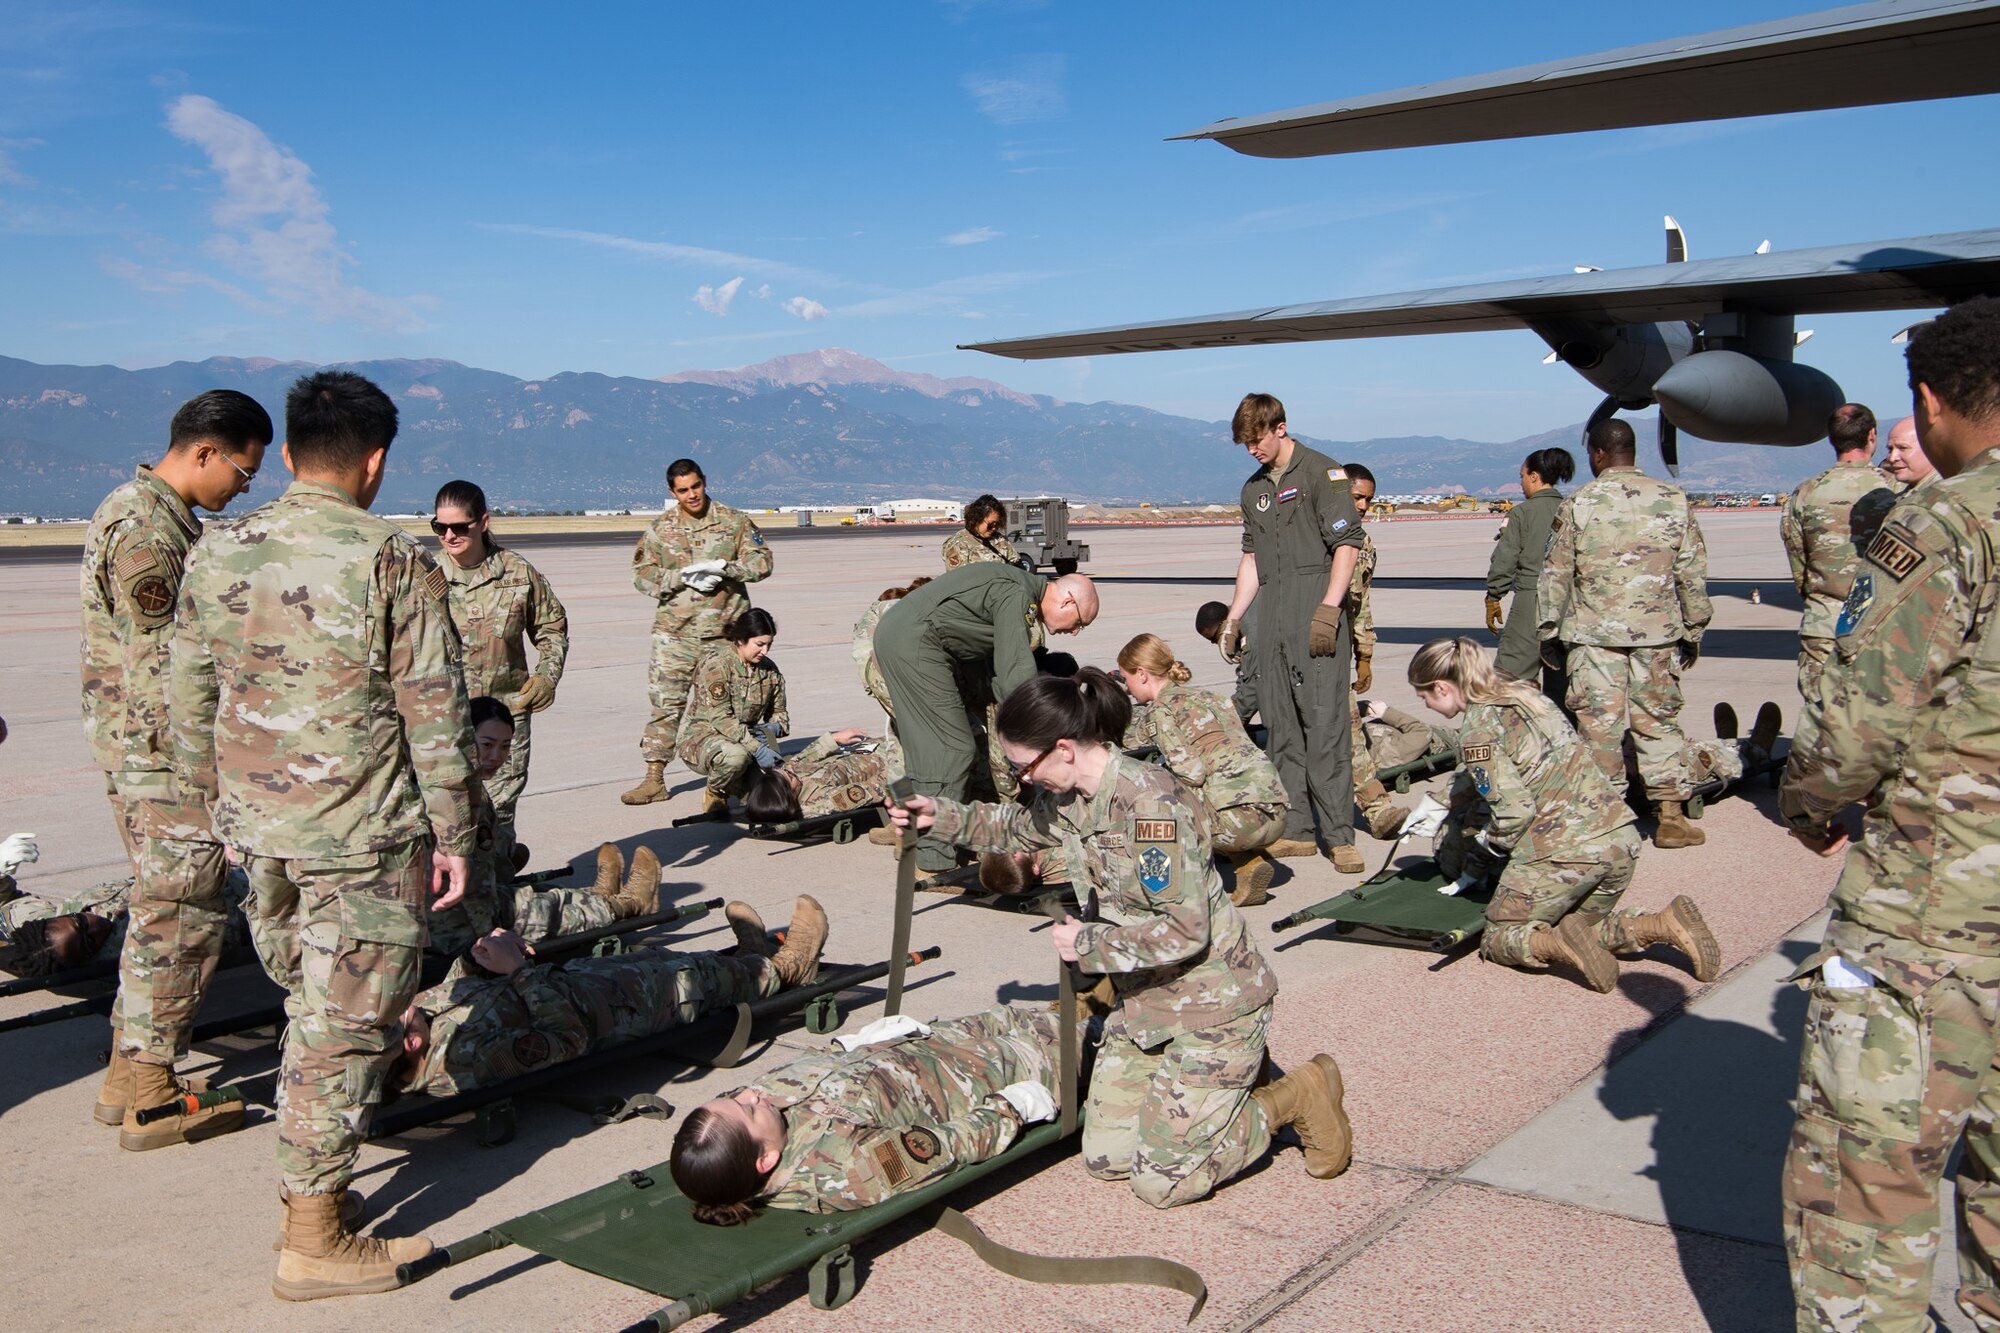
(1861, 55)
(1923, 272)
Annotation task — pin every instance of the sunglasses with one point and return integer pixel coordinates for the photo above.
(455, 529)
(1026, 772)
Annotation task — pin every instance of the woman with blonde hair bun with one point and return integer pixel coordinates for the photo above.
(1202, 742)
(1530, 798)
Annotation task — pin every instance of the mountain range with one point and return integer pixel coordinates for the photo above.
(823, 427)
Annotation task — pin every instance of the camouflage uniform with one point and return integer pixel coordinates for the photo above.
(490, 901)
(1542, 803)
(1819, 543)
(974, 623)
(134, 554)
(1516, 567)
(1170, 1106)
(499, 606)
(1898, 1071)
(316, 698)
(1292, 525)
(1359, 612)
(689, 622)
(730, 697)
(1624, 586)
(1396, 738)
(487, 1029)
(1245, 698)
(962, 548)
(864, 1126)
(864, 654)
(112, 901)
(835, 777)
(1204, 745)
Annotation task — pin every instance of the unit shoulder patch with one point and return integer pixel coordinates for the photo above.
(531, 1048)
(153, 596)
(1894, 554)
(1156, 869)
(1264, 502)
(718, 690)
(921, 1144)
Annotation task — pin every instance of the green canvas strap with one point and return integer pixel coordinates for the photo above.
(1143, 1270)
(906, 904)
(1066, 1059)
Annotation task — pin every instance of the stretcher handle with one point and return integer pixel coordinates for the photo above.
(189, 1104)
(438, 1260)
(901, 790)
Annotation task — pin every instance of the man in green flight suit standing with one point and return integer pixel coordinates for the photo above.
(1301, 538)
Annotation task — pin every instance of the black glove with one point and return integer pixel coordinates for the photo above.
(1690, 651)
(1555, 655)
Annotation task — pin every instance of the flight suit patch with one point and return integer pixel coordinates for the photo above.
(1896, 556)
(1478, 754)
(154, 596)
(1335, 474)
(1264, 502)
(921, 1144)
(1289, 493)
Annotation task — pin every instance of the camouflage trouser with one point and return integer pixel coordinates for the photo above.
(1712, 762)
(1613, 689)
(1245, 828)
(344, 936)
(1889, 1082)
(552, 912)
(1178, 1120)
(638, 994)
(1537, 894)
(669, 677)
(1813, 654)
(506, 786)
(1005, 785)
(727, 765)
(1364, 758)
(174, 933)
(125, 813)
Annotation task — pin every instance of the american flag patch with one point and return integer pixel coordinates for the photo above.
(137, 561)
(891, 1162)
(435, 583)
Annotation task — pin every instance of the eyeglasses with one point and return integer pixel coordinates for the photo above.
(248, 477)
(1026, 772)
(455, 529)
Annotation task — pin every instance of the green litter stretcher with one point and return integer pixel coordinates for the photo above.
(1400, 776)
(1404, 902)
(640, 1230)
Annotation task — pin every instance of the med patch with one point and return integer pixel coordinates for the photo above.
(1478, 754)
(1896, 556)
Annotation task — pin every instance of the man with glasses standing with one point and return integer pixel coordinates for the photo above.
(133, 556)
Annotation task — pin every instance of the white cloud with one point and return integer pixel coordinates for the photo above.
(805, 308)
(763, 293)
(275, 226)
(1030, 91)
(973, 236)
(668, 250)
(172, 282)
(715, 300)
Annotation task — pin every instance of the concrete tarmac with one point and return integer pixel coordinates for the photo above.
(1529, 1154)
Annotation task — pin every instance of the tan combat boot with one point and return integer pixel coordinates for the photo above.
(654, 788)
(350, 1214)
(752, 939)
(323, 1258)
(797, 959)
(1309, 1100)
(1385, 817)
(610, 870)
(714, 802)
(641, 894)
(1680, 925)
(1254, 872)
(116, 1093)
(1575, 942)
(155, 1085)
(1346, 859)
(1675, 830)
(1284, 849)
(886, 835)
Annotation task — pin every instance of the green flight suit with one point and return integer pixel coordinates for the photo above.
(1517, 568)
(980, 618)
(1292, 524)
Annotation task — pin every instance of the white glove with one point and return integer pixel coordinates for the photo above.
(705, 567)
(882, 1030)
(16, 849)
(703, 583)
(1468, 880)
(1030, 1100)
(1426, 819)
(1839, 974)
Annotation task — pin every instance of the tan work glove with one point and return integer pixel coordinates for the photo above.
(1230, 640)
(1494, 620)
(538, 693)
(1325, 638)
(1364, 671)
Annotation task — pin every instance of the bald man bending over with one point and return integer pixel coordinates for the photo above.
(987, 619)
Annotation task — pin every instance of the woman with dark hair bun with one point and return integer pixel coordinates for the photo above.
(1517, 564)
(1174, 1104)
(500, 603)
(736, 712)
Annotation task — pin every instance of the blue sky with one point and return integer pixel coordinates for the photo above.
(653, 188)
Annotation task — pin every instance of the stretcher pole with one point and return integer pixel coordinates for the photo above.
(901, 791)
(1066, 1015)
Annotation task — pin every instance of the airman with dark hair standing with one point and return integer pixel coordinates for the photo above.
(1817, 529)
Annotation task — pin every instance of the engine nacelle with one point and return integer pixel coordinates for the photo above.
(1737, 398)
